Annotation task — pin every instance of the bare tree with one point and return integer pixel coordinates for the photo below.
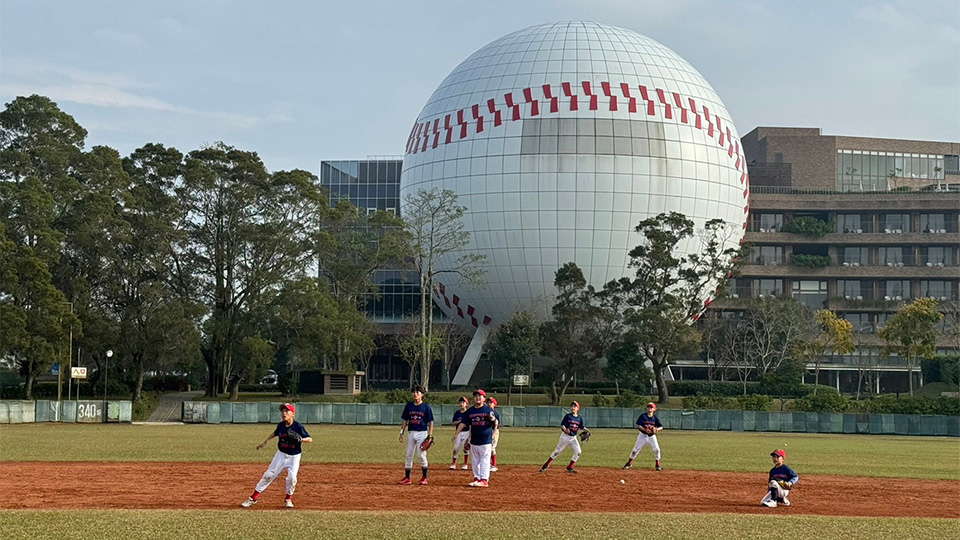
(434, 222)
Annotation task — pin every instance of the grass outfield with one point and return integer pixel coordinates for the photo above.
(120, 524)
(849, 455)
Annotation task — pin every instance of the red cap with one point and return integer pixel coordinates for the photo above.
(288, 407)
(479, 392)
(652, 404)
(462, 399)
(493, 401)
(779, 452)
(574, 403)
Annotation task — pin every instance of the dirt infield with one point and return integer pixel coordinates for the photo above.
(340, 486)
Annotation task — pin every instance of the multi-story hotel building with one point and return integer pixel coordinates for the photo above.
(892, 206)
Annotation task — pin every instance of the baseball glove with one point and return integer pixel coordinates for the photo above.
(785, 485)
(427, 443)
(466, 446)
(650, 430)
(584, 435)
(294, 436)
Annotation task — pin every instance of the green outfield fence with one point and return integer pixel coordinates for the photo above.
(389, 414)
(24, 412)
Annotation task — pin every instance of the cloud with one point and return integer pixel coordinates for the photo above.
(109, 90)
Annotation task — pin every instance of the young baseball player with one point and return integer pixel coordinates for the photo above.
(782, 478)
(417, 419)
(481, 422)
(291, 435)
(460, 435)
(496, 436)
(571, 425)
(649, 425)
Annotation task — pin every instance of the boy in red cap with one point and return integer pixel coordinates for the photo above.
(481, 422)
(460, 435)
(649, 425)
(571, 425)
(782, 478)
(496, 436)
(292, 434)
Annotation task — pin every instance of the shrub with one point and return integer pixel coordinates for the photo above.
(809, 226)
(398, 395)
(821, 402)
(628, 399)
(907, 405)
(810, 261)
(755, 402)
(367, 396)
(252, 388)
(599, 400)
(941, 369)
(710, 388)
(438, 399)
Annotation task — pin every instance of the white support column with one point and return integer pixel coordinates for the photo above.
(471, 357)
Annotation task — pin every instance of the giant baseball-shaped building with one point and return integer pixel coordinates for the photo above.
(559, 139)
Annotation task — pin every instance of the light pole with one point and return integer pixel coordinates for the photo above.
(106, 372)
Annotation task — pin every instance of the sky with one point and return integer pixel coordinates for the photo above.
(300, 81)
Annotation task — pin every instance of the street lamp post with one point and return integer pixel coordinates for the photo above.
(106, 372)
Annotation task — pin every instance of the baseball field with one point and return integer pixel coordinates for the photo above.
(163, 481)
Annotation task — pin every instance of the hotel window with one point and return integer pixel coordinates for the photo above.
(768, 255)
(933, 223)
(891, 256)
(896, 289)
(938, 289)
(768, 287)
(812, 294)
(768, 222)
(895, 223)
(850, 289)
(854, 256)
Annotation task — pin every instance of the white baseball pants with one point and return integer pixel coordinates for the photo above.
(414, 438)
(496, 440)
(565, 441)
(458, 444)
(480, 456)
(775, 490)
(280, 462)
(642, 440)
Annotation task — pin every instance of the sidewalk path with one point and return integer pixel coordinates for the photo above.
(169, 408)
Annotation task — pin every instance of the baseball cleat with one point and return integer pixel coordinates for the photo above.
(422, 482)
(770, 504)
(543, 469)
(475, 483)
(785, 502)
(465, 467)
(453, 467)
(248, 503)
(494, 469)
(404, 482)
(659, 468)
(572, 471)
(627, 466)
(288, 503)
(483, 483)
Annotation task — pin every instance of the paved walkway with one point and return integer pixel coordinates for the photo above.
(169, 408)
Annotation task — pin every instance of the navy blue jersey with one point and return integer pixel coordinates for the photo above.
(481, 426)
(783, 473)
(417, 416)
(646, 421)
(460, 417)
(289, 446)
(572, 423)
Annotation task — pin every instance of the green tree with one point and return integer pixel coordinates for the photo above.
(785, 381)
(911, 333)
(514, 344)
(669, 289)
(34, 316)
(247, 231)
(434, 222)
(830, 335)
(570, 338)
(625, 365)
